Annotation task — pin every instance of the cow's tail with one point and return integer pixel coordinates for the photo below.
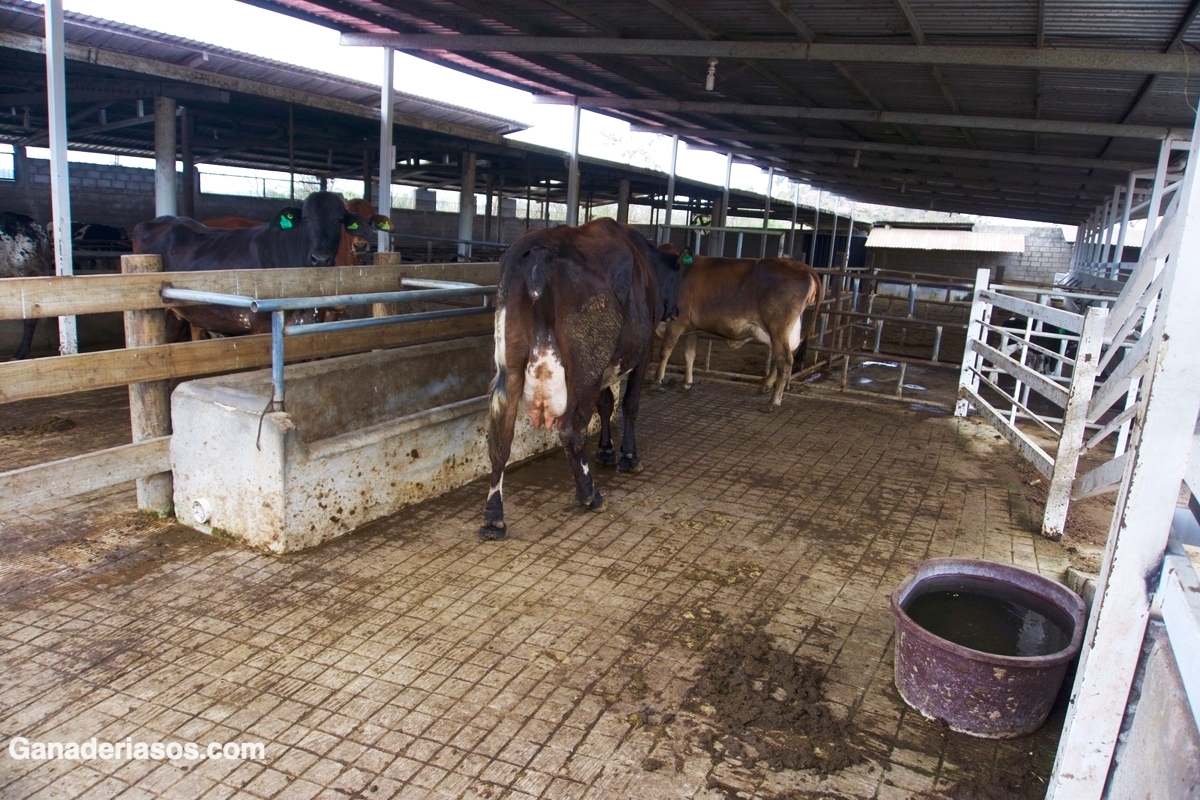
(498, 390)
(819, 291)
(537, 262)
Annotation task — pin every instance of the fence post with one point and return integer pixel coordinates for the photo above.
(389, 259)
(1074, 427)
(149, 402)
(967, 377)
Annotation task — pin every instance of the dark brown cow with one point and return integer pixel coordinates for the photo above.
(742, 299)
(354, 246)
(25, 252)
(576, 311)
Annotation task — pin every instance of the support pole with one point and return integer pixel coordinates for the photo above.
(366, 175)
(833, 233)
(164, 157)
(812, 246)
(466, 206)
(1125, 211)
(767, 212)
(487, 207)
(291, 153)
(725, 203)
(1156, 189)
(849, 241)
(60, 186)
(387, 156)
(623, 200)
(186, 126)
(149, 402)
(665, 233)
(387, 258)
(795, 212)
(573, 171)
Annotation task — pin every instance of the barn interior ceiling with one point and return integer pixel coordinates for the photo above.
(1022, 108)
(247, 111)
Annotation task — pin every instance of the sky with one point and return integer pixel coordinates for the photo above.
(238, 26)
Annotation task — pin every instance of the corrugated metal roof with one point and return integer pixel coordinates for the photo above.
(972, 185)
(27, 17)
(966, 241)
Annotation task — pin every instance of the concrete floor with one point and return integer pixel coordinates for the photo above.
(412, 660)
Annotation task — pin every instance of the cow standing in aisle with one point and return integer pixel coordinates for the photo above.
(576, 310)
(741, 299)
(25, 252)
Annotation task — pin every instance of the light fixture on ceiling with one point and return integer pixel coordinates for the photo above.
(857, 155)
(710, 80)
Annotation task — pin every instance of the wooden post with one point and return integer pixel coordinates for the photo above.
(150, 402)
(386, 309)
(967, 377)
(623, 200)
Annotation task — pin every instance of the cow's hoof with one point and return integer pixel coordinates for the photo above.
(772, 407)
(493, 532)
(687, 386)
(630, 464)
(606, 458)
(659, 386)
(598, 503)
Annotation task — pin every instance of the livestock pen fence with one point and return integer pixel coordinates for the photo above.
(869, 315)
(1073, 358)
(148, 363)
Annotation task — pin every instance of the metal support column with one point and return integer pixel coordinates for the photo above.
(1125, 211)
(812, 246)
(387, 156)
(466, 206)
(833, 233)
(795, 211)
(849, 240)
(767, 211)
(623, 200)
(188, 194)
(724, 221)
(60, 186)
(1156, 190)
(573, 171)
(665, 232)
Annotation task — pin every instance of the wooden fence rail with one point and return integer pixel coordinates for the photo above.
(22, 298)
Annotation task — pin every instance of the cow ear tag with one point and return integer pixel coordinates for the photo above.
(353, 226)
(285, 221)
(384, 225)
(686, 259)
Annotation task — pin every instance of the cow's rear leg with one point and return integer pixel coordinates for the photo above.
(574, 439)
(689, 358)
(670, 338)
(26, 340)
(629, 411)
(781, 371)
(605, 455)
(505, 402)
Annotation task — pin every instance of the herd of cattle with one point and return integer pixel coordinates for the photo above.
(577, 309)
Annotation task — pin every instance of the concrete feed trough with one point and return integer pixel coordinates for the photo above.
(362, 437)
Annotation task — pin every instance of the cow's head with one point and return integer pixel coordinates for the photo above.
(668, 270)
(322, 220)
(375, 222)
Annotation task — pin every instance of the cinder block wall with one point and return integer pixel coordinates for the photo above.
(1047, 252)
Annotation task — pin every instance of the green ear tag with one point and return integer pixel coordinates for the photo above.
(353, 226)
(686, 259)
(285, 221)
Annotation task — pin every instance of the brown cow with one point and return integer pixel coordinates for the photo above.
(352, 248)
(742, 299)
(575, 312)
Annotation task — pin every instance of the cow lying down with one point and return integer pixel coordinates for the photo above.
(743, 299)
(576, 310)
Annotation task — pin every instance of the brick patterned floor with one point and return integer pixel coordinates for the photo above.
(413, 660)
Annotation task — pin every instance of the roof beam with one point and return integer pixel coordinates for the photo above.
(1070, 127)
(1026, 58)
(889, 147)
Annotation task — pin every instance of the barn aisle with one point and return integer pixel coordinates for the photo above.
(589, 655)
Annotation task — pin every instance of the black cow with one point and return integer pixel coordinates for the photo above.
(310, 241)
(25, 252)
(308, 236)
(576, 311)
(92, 234)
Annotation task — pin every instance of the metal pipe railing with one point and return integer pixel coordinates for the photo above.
(278, 308)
